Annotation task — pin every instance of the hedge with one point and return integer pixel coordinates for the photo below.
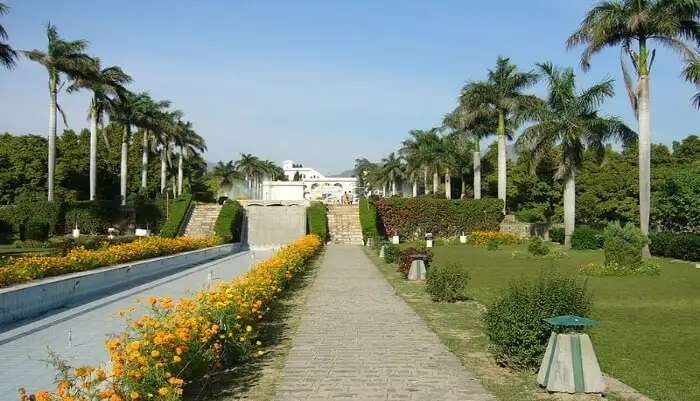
(92, 217)
(317, 220)
(411, 218)
(227, 226)
(685, 246)
(176, 214)
(368, 219)
(586, 237)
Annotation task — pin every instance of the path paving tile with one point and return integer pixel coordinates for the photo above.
(357, 340)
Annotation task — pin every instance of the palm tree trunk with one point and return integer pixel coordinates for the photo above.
(415, 188)
(463, 193)
(393, 187)
(436, 182)
(163, 168)
(644, 158)
(502, 173)
(425, 180)
(93, 150)
(384, 190)
(477, 174)
(124, 155)
(144, 160)
(448, 185)
(569, 208)
(53, 94)
(179, 171)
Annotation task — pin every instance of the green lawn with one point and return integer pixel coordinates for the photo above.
(649, 327)
(11, 250)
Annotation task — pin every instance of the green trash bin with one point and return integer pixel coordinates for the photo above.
(570, 364)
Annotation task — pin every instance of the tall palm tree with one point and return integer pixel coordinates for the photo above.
(62, 58)
(105, 85)
(633, 25)
(189, 144)
(570, 120)
(392, 169)
(691, 72)
(415, 149)
(435, 151)
(500, 101)
(164, 139)
(249, 166)
(226, 175)
(154, 122)
(8, 56)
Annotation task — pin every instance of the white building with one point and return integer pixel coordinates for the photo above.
(316, 186)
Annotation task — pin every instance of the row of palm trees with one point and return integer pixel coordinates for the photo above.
(164, 132)
(251, 169)
(568, 118)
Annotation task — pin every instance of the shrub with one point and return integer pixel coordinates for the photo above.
(36, 208)
(368, 220)
(36, 230)
(493, 239)
(676, 206)
(92, 217)
(623, 245)
(411, 218)
(177, 210)
(405, 258)
(447, 283)
(514, 322)
(148, 213)
(317, 220)
(585, 237)
(391, 253)
(536, 247)
(685, 246)
(228, 223)
(557, 235)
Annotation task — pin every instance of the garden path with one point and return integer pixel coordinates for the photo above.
(358, 340)
(23, 350)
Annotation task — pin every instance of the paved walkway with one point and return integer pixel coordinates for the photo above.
(359, 341)
(24, 349)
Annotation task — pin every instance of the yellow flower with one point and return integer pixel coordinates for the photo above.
(163, 391)
(249, 328)
(134, 395)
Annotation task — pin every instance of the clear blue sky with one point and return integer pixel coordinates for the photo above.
(320, 82)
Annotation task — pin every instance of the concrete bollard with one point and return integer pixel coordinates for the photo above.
(417, 271)
(395, 240)
(381, 252)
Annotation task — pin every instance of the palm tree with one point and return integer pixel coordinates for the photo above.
(226, 174)
(154, 122)
(435, 152)
(164, 138)
(692, 74)
(637, 23)
(105, 85)
(458, 149)
(500, 102)
(570, 120)
(249, 166)
(8, 56)
(392, 169)
(61, 58)
(414, 149)
(189, 144)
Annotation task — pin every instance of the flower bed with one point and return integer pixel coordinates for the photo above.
(174, 344)
(28, 268)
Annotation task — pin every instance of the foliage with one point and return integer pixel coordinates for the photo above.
(411, 218)
(536, 247)
(91, 217)
(147, 212)
(514, 322)
(391, 253)
(176, 343)
(618, 270)
(36, 230)
(623, 245)
(317, 220)
(557, 235)
(447, 282)
(486, 238)
(65, 244)
(228, 224)
(176, 215)
(405, 258)
(685, 246)
(586, 237)
(368, 219)
(28, 268)
(676, 202)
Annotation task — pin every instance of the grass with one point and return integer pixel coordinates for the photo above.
(647, 335)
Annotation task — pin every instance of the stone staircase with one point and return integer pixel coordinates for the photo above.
(344, 224)
(202, 220)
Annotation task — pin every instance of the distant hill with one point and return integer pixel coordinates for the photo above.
(346, 173)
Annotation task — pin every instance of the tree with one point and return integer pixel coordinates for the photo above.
(415, 150)
(105, 85)
(392, 169)
(471, 131)
(630, 23)
(692, 74)
(570, 120)
(156, 124)
(500, 103)
(226, 174)
(8, 56)
(62, 58)
(249, 166)
(190, 144)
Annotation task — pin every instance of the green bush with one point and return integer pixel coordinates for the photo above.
(514, 322)
(368, 220)
(391, 253)
(536, 247)
(36, 230)
(147, 212)
(586, 237)
(557, 235)
(34, 207)
(685, 246)
(623, 245)
(228, 223)
(411, 218)
(447, 283)
(676, 202)
(176, 214)
(92, 217)
(317, 220)
(405, 258)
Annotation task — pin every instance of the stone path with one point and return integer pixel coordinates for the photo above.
(24, 349)
(359, 341)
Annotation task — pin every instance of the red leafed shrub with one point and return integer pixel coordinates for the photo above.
(405, 258)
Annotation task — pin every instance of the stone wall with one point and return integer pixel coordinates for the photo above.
(524, 230)
(272, 224)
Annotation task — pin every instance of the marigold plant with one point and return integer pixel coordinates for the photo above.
(175, 343)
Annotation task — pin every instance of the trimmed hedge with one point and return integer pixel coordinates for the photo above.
(228, 223)
(557, 235)
(177, 210)
(91, 217)
(368, 220)
(585, 237)
(317, 220)
(685, 246)
(411, 218)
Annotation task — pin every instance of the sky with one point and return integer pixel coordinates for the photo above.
(318, 82)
